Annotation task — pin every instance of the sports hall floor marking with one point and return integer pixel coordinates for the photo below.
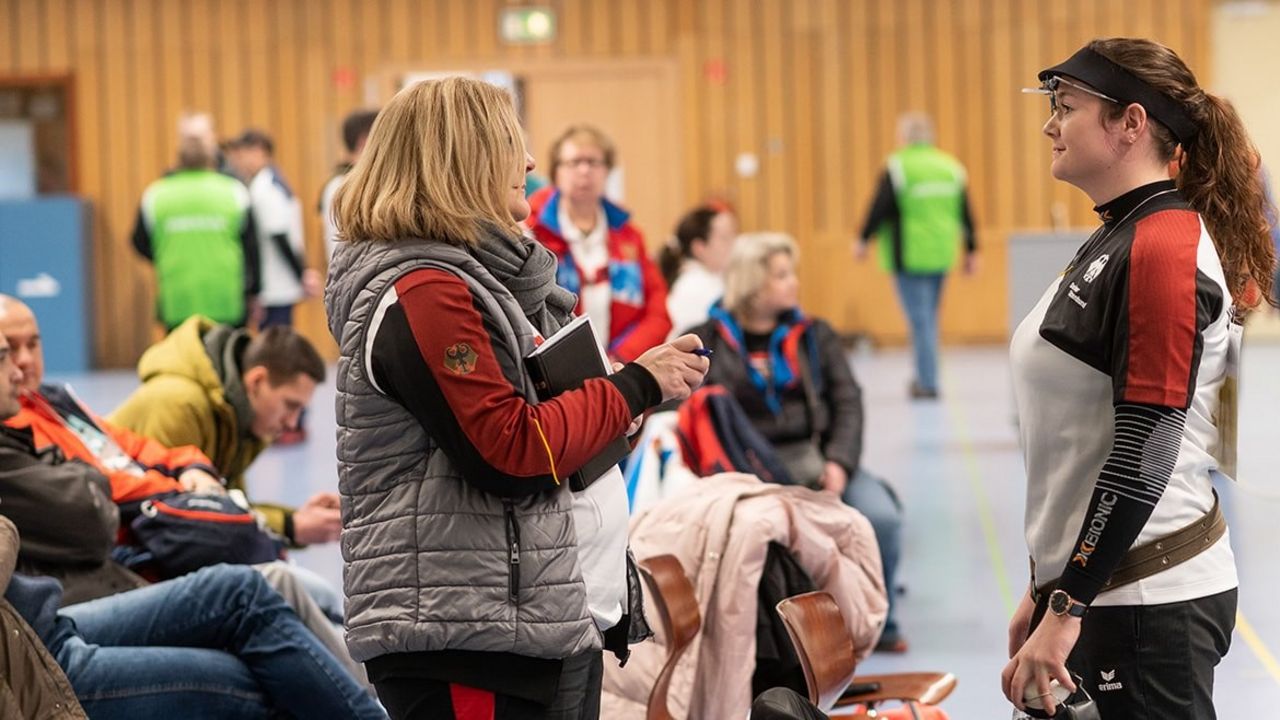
(986, 518)
(1258, 647)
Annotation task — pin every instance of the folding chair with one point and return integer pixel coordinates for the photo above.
(825, 649)
(678, 612)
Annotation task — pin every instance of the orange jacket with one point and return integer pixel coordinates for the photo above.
(43, 412)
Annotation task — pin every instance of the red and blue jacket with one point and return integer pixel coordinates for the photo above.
(638, 317)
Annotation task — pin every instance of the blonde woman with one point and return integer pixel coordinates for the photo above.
(477, 584)
(790, 374)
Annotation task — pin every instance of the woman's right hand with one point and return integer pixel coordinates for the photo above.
(675, 366)
(1020, 624)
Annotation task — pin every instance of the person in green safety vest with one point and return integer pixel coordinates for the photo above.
(919, 217)
(196, 227)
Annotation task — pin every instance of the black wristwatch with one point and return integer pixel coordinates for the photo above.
(1060, 603)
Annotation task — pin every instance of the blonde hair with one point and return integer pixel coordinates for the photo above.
(583, 135)
(748, 263)
(439, 164)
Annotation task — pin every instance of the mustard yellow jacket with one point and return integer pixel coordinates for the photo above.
(189, 398)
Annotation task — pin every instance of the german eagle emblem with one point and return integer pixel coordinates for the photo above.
(460, 359)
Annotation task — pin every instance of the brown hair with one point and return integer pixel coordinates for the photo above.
(1219, 173)
(439, 164)
(285, 354)
(583, 135)
(695, 225)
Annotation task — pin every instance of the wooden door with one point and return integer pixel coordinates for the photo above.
(635, 106)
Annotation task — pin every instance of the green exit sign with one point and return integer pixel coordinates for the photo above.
(526, 25)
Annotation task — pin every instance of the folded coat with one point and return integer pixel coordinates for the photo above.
(720, 528)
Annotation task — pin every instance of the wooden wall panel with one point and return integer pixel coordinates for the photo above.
(811, 87)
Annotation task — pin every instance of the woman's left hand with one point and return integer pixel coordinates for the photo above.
(834, 478)
(1042, 658)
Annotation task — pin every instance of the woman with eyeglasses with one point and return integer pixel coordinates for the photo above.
(1117, 375)
(602, 255)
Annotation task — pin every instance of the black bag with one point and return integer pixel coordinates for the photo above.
(184, 532)
(784, 704)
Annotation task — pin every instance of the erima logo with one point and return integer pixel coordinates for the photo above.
(1097, 524)
(1108, 683)
(1095, 267)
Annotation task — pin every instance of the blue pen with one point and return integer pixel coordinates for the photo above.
(704, 352)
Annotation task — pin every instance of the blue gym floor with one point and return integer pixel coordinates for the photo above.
(957, 467)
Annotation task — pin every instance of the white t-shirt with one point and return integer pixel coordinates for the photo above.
(276, 211)
(600, 518)
(591, 255)
(1066, 403)
(693, 293)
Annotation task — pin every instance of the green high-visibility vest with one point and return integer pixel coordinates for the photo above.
(929, 187)
(195, 218)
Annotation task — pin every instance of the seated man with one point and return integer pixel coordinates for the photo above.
(137, 467)
(64, 508)
(232, 395)
(57, 486)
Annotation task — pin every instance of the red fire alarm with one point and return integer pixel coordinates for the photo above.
(714, 71)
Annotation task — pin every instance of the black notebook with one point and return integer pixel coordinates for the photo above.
(564, 362)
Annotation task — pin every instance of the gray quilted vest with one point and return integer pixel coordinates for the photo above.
(429, 561)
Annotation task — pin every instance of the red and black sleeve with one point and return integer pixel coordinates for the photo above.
(1156, 338)
(438, 354)
(1156, 347)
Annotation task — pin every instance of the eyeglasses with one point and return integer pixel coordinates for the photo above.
(588, 162)
(1050, 88)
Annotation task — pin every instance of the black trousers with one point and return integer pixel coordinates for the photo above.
(1153, 662)
(578, 697)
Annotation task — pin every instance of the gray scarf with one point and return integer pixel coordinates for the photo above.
(225, 346)
(528, 270)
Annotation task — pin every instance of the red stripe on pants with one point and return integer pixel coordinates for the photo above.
(470, 703)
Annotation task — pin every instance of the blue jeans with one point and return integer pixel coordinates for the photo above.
(872, 496)
(277, 315)
(218, 643)
(920, 295)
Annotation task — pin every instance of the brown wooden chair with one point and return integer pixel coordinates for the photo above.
(677, 607)
(825, 648)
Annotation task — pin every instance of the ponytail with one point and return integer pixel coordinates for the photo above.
(694, 226)
(1219, 172)
(670, 259)
(1221, 178)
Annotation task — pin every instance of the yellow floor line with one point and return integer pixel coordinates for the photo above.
(986, 518)
(1258, 647)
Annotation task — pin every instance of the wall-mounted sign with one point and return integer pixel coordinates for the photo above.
(527, 25)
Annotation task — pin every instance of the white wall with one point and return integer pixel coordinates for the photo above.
(1246, 69)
